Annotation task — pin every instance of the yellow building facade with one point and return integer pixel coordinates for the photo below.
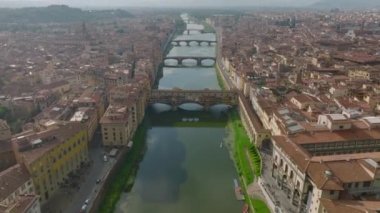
(52, 155)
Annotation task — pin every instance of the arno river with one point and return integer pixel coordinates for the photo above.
(185, 168)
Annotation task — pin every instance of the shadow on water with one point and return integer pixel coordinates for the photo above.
(163, 173)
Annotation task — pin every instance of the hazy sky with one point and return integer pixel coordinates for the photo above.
(159, 3)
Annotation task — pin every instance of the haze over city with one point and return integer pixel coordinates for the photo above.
(163, 3)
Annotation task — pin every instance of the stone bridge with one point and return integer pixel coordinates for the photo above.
(177, 42)
(198, 59)
(188, 31)
(206, 98)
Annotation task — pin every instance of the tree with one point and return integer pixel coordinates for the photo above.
(4, 112)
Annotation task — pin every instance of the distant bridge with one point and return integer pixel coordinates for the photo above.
(198, 59)
(188, 31)
(177, 42)
(206, 98)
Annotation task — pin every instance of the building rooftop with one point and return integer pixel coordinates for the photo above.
(351, 206)
(22, 205)
(33, 145)
(11, 179)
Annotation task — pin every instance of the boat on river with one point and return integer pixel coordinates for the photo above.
(238, 191)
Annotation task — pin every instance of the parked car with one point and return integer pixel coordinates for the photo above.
(87, 201)
(98, 181)
(83, 209)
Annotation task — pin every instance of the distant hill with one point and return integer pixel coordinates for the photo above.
(346, 4)
(56, 14)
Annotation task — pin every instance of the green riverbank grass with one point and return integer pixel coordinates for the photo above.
(259, 206)
(241, 144)
(124, 179)
(256, 159)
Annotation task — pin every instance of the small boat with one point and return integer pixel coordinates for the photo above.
(221, 144)
(238, 192)
(245, 208)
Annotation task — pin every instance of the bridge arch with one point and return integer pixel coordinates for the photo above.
(190, 106)
(171, 62)
(192, 42)
(190, 62)
(208, 62)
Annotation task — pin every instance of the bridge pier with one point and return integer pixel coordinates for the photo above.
(188, 43)
(199, 62)
(206, 107)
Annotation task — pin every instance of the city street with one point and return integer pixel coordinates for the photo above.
(71, 199)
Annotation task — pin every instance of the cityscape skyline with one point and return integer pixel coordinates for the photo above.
(160, 3)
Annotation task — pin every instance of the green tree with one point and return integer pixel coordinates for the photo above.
(4, 112)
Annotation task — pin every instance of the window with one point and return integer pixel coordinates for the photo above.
(356, 185)
(367, 184)
(332, 192)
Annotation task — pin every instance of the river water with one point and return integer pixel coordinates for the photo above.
(186, 167)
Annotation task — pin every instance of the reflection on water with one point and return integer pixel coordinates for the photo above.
(183, 171)
(162, 172)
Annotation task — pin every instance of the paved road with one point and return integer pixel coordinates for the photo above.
(71, 200)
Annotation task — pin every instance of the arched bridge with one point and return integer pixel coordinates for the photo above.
(206, 98)
(198, 59)
(177, 42)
